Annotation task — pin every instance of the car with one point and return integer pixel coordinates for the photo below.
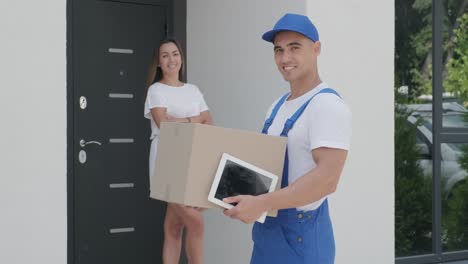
(455, 115)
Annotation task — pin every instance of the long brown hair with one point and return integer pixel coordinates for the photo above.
(155, 73)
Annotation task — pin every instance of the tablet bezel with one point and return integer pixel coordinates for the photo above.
(219, 172)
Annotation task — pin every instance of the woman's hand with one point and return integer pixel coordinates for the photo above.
(202, 118)
(196, 119)
(170, 118)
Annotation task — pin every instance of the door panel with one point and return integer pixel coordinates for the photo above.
(114, 219)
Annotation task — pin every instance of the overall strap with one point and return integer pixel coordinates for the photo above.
(269, 121)
(296, 115)
(292, 120)
(288, 125)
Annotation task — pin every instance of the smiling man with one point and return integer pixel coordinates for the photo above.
(317, 123)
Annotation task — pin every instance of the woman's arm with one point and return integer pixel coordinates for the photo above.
(203, 118)
(159, 115)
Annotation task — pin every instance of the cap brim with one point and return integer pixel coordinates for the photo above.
(270, 35)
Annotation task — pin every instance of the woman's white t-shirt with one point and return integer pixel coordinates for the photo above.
(180, 102)
(325, 122)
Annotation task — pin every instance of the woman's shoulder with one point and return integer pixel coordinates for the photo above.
(193, 87)
(156, 87)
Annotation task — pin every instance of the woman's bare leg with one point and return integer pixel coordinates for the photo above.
(192, 220)
(173, 227)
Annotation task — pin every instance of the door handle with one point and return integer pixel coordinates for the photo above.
(83, 143)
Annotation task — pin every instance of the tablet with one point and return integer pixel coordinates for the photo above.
(237, 177)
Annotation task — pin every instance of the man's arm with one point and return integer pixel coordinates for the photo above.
(317, 183)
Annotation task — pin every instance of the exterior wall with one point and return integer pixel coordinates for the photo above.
(357, 58)
(33, 200)
(235, 70)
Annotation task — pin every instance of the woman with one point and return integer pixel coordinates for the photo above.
(170, 100)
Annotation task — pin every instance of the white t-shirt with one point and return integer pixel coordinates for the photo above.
(326, 122)
(181, 102)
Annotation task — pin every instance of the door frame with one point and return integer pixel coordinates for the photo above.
(176, 28)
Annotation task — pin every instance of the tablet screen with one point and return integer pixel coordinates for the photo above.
(237, 179)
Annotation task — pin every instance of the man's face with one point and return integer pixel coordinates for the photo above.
(295, 55)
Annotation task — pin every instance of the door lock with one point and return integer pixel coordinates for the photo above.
(82, 156)
(83, 102)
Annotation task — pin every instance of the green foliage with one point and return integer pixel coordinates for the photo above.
(455, 208)
(413, 201)
(455, 218)
(456, 80)
(413, 68)
(413, 43)
(463, 160)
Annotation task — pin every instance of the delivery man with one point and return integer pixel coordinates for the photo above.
(317, 123)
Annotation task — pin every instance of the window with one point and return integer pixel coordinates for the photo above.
(431, 131)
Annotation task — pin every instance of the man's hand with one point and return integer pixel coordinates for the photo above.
(248, 209)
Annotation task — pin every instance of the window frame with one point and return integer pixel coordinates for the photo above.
(440, 135)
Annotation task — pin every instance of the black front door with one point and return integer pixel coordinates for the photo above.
(113, 219)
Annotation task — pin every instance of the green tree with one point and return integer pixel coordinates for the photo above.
(413, 42)
(413, 199)
(455, 218)
(413, 68)
(456, 80)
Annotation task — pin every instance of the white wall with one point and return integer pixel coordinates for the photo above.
(33, 132)
(357, 58)
(235, 70)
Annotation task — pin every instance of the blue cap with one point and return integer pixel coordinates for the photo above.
(293, 22)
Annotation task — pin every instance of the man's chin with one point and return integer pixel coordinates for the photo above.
(287, 78)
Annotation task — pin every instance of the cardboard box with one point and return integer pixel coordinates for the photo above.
(188, 156)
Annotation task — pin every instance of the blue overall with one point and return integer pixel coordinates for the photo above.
(294, 237)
